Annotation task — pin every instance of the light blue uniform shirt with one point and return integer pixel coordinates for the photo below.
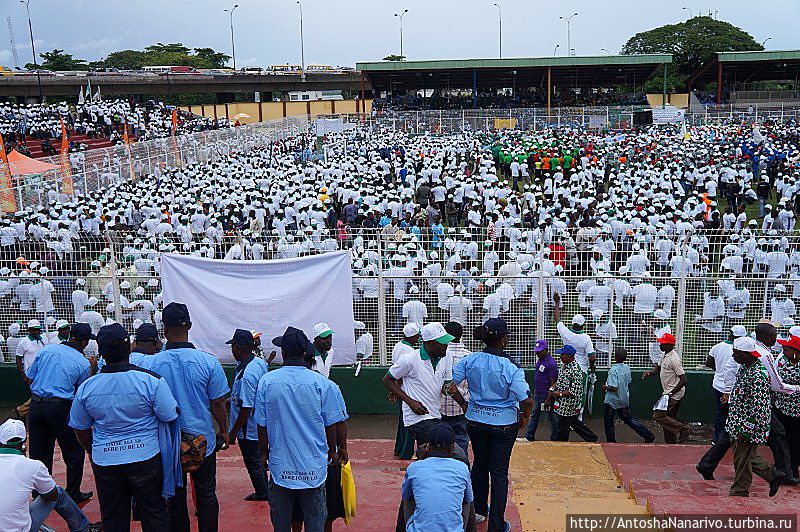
(439, 486)
(295, 404)
(619, 376)
(496, 386)
(195, 378)
(57, 371)
(123, 406)
(135, 358)
(243, 395)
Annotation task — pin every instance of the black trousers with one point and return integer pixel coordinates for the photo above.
(142, 480)
(491, 449)
(251, 454)
(205, 491)
(792, 427)
(47, 423)
(564, 423)
(776, 442)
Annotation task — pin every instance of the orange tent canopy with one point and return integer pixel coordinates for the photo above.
(22, 165)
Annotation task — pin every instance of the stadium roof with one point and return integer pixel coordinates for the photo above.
(578, 71)
(744, 67)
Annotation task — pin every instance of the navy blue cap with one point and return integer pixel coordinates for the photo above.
(146, 332)
(175, 314)
(566, 350)
(497, 326)
(110, 334)
(81, 331)
(294, 342)
(243, 338)
(442, 435)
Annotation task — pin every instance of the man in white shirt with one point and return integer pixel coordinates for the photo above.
(720, 359)
(322, 344)
(404, 442)
(415, 311)
(424, 374)
(20, 476)
(28, 347)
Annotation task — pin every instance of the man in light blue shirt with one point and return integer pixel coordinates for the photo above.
(437, 491)
(617, 400)
(297, 411)
(249, 371)
(55, 374)
(198, 384)
(116, 416)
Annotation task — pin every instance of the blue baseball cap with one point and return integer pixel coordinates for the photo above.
(243, 338)
(175, 314)
(293, 342)
(110, 334)
(81, 331)
(497, 326)
(566, 350)
(442, 435)
(540, 346)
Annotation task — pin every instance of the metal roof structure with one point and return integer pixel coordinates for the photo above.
(731, 68)
(575, 71)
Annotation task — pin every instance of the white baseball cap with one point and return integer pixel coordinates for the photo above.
(747, 344)
(61, 323)
(578, 319)
(13, 429)
(435, 332)
(738, 331)
(34, 324)
(322, 330)
(410, 329)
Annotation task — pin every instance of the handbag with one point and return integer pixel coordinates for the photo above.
(193, 451)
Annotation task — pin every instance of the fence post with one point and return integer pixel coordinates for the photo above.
(680, 323)
(114, 278)
(382, 350)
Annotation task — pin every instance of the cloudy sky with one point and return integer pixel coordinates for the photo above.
(341, 32)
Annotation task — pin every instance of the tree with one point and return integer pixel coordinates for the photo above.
(691, 43)
(160, 48)
(394, 57)
(58, 60)
(214, 59)
(124, 60)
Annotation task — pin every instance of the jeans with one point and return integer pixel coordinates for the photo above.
(140, 480)
(421, 431)
(312, 500)
(204, 487)
(567, 422)
(41, 509)
(722, 416)
(251, 454)
(47, 423)
(459, 424)
(624, 414)
(491, 448)
(533, 422)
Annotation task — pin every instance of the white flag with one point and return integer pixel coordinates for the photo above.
(81, 98)
(97, 97)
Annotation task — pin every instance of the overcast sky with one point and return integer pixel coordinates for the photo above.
(341, 32)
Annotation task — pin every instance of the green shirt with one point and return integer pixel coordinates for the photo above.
(750, 412)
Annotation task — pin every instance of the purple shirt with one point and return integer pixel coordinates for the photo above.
(546, 372)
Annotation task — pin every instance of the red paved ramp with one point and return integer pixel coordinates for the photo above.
(378, 477)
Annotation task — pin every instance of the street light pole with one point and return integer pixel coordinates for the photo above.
(569, 34)
(689, 9)
(233, 42)
(302, 45)
(401, 15)
(33, 49)
(556, 49)
(764, 42)
(500, 13)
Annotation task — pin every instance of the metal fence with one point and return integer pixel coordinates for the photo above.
(400, 276)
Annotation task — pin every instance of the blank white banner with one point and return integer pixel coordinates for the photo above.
(265, 296)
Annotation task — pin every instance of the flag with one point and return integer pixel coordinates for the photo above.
(8, 202)
(81, 99)
(684, 133)
(175, 140)
(127, 141)
(66, 169)
(97, 97)
(174, 121)
(88, 90)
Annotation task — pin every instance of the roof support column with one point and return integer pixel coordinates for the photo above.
(664, 93)
(719, 82)
(549, 91)
(474, 89)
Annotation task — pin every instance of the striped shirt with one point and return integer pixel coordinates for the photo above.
(449, 405)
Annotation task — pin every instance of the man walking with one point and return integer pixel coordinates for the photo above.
(720, 359)
(249, 370)
(297, 411)
(748, 421)
(55, 375)
(198, 383)
(617, 399)
(673, 384)
(567, 396)
(544, 379)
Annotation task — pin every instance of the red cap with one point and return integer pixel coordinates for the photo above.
(666, 339)
(793, 342)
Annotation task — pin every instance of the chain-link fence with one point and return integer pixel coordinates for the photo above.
(621, 285)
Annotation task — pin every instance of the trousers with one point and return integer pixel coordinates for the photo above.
(47, 423)
(491, 448)
(204, 481)
(747, 461)
(674, 430)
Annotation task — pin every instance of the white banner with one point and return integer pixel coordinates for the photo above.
(266, 296)
(667, 115)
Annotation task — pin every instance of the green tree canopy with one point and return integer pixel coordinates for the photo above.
(58, 60)
(164, 54)
(394, 57)
(692, 42)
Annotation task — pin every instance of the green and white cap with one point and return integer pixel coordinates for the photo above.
(322, 330)
(435, 332)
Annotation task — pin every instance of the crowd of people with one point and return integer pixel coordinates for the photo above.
(22, 124)
(485, 231)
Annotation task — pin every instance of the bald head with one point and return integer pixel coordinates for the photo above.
(766, 333)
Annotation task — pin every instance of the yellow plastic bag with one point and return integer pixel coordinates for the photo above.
(348, 493)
